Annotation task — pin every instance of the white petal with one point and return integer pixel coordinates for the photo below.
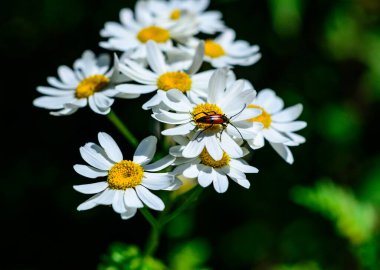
(194, 147)
(230, 146)
(94, 106)
(205, 177)
(274, 136)
(67, 75)
(110, 147)
(289, 127)
(257, 142)
(172, 118)
(151, 200)
(90, 203)
(283, 151)
(56, 83)
(242, 166)
(191, 171)
(154, 101)
(217, 85)
(157, 181)
(118, 202)
(155, 58)
(145, 150)
(183, 129)
(91, 188)
(160, 164)
(220, 182)
(55, 92)
(131, 199)
(94, 156)
(88, 171)
(289, 114)
(198, 59)
(176, 184)
(130, 88)
(52, 102)
(129, 213)
(177, 101)
(106, 197)
(213, 148)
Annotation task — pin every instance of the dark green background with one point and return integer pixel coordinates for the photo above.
(322, 54)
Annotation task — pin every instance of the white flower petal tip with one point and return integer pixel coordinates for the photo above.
(145, 150)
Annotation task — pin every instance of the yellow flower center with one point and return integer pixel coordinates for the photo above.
(176, 14)
(207, 160)
(204, 110)
(158, 34)
(213, 49)
(125, 174)
(88, 86)
(174, 80)
(264, 118)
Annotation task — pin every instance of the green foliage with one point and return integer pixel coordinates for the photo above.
(191, 255)
(352, 218)
(286, 16)
(298, 266)
(369, 191)
(128, 257)
(339, 124)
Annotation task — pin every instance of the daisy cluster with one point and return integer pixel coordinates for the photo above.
(213, 118)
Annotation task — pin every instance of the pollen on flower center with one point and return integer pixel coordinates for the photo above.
(264, 118)
(213, 49)
(158, 34)
(207, 160)
(174, 80)
(176, 14)
(88, 86)
(201, 117)
(125, 174)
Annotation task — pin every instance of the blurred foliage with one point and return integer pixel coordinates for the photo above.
(128, 257)
(353, 219)
(298, 266)
(191, 255)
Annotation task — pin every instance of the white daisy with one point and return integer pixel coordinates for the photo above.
(92, 82)
(225, 51)
(210, 22)
(208, 170)
(223, 114)
(132, 35)
(128, 181)
(163, 76)
(279, 124)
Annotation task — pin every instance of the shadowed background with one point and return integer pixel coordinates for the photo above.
(321, 54)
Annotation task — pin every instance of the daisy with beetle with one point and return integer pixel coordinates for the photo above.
(230, 102)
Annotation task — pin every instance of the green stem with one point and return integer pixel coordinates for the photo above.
(191, 199)
(164, 218)
(122, 128)
(153, 241)
(149, 217)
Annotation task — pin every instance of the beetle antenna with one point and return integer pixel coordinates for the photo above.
(237, 130)
(238, 112)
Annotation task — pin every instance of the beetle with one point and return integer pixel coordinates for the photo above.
(212, 118)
